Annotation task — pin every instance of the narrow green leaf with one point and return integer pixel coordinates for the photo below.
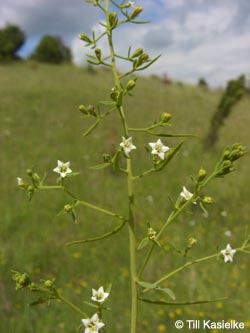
(108, 234)
(146, 300)
(147, 285)
(108, 290)
(169, 157)
(91, 304)
(116, 160)
(167, 291)
(91, 128)
(143, 243)
(100, 166)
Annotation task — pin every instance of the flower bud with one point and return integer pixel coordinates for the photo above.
(143, 58)
(29, 172)
(165, 117)
(107, 158)
(85, 38)
(22, 280)
(113, 20)
(127, 5)
(137, 53)
(151, 233)
(201, 175)
(68, 208)
(83, 109)
(48, 284)
(207, 200)
(136, 12)
(191, 242)
(31, 189)
(114, 94)
(98, 53)
(130, 85)
(91, 110)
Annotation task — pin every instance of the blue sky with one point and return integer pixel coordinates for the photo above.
(196, 38)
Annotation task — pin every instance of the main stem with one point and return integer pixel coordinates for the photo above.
(131, 222)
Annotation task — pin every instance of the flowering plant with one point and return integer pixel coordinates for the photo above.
(161, 156)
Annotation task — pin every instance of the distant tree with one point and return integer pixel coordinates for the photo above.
(51, 50)
(202, 83)
(11, 40)
(233, 93)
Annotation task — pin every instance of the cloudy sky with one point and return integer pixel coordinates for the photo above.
(196, 38)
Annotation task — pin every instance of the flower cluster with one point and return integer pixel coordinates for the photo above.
(93, 324)
(158, 148)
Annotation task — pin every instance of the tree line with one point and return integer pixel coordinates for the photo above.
(50, 49)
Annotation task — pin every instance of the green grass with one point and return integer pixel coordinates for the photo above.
(40, 123)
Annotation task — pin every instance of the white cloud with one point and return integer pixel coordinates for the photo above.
(197, 38)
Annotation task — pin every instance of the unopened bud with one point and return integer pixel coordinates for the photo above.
(131, 84)
(165, 117)
(98, 53)
(85, 38)
(48, 284)
(68, 208)
(91, 110)
(83, 109)
(201, 174)
(207, 200)
(29, 172)
(137, 53)
(114, 94)
(30, 188)
(143, 58)
(113, 20)
(107, 158)
(136, 12)
(151, 233)
(191, 242)
(127, 5)
(22, 280)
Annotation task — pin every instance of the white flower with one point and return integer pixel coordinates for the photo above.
(20, 182)
(62, 168)
(158, 148)
(92, 325)
(127, 145)
(228, 253)
(186, 194)
(99, 295)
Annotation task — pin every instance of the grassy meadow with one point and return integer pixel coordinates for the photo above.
(40, 123)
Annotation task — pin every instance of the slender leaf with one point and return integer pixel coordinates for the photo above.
(100, 166)
(143, 243)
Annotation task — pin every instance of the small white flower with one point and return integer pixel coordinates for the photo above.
(158, 148)
(99, 295)
(228, 233)
(127, 145)
(62, 168)
(92, 325)
(20, 182)
(186, 194)
(228, 253)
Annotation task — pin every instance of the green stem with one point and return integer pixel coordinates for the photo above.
(73, 306)
(132, 240)
(99, 209)
(174, 214)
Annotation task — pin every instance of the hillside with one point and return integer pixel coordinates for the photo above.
(40, 123)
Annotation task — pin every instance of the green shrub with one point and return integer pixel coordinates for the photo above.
(11, 40)
(51, 50)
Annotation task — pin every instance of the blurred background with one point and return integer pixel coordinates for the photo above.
(201, 79)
